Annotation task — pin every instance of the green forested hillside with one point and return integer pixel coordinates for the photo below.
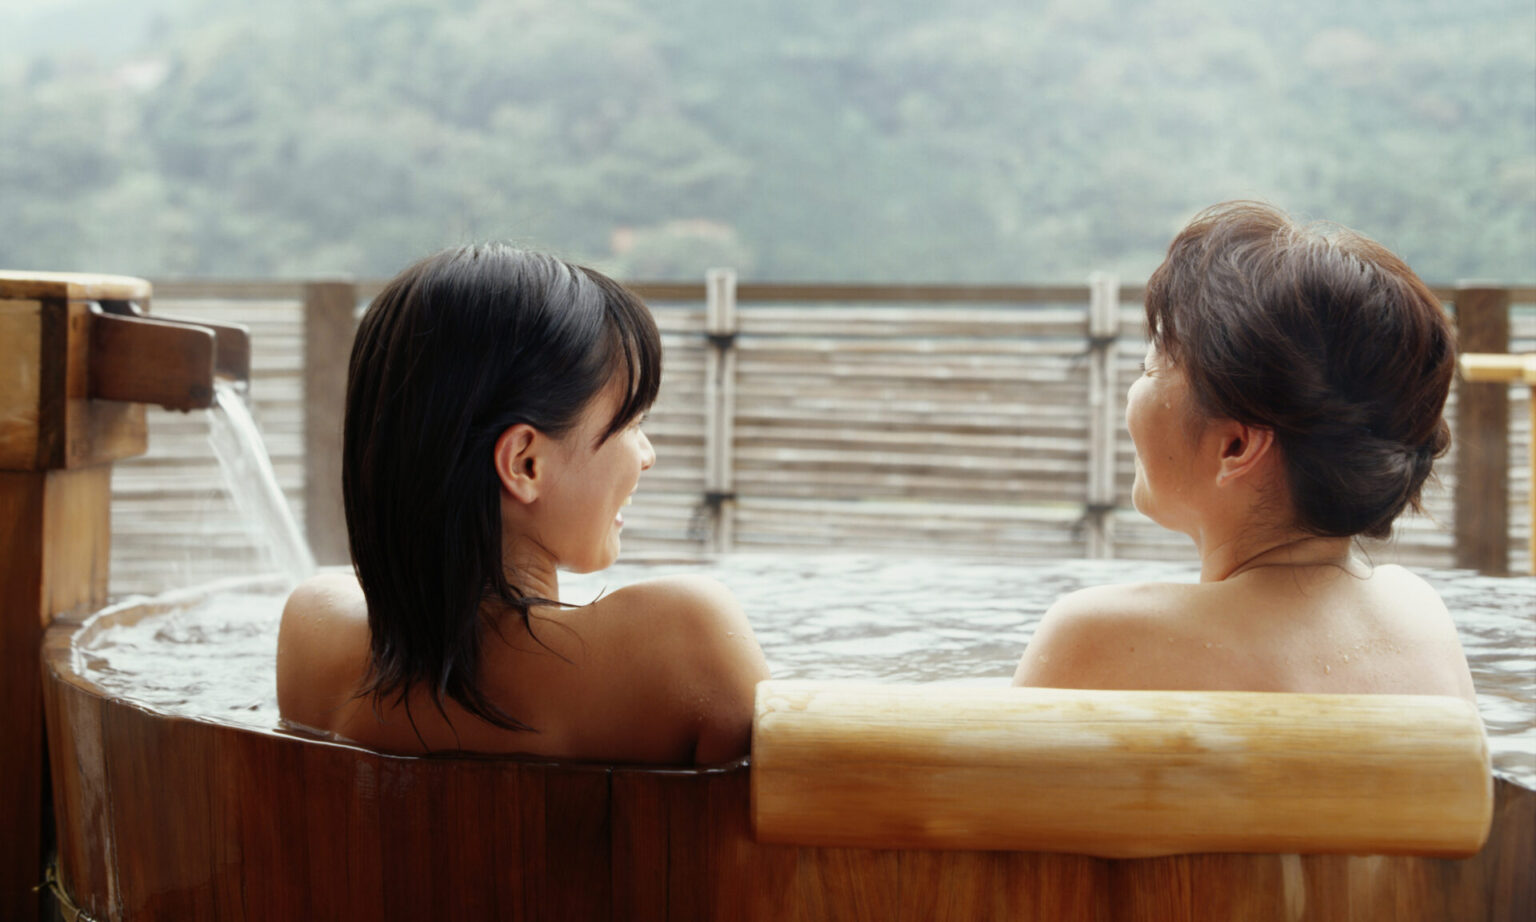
(972, 140)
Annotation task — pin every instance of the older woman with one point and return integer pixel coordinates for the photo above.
(1290, 401)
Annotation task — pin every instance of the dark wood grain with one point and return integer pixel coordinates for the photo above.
(258, 807)
(345, 875)
(752, 882)
(21, 759)
(641, 846)
(577, 856)
(507, 811)
(472, 867)
(528, 792)
(161, 776)
(411, 810)
(1482, 437)
(80, 795)
(690, 861)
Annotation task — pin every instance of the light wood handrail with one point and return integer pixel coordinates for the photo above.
(1118, 774)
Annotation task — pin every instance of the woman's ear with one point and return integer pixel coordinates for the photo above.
(1243, 449)
(519, 462)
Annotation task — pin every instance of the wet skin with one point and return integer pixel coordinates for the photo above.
(1276, 609)
(662, 671)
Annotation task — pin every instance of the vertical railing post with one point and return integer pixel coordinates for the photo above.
(1482, 436)
(1103, 346)
(329, 319)
(720, 328)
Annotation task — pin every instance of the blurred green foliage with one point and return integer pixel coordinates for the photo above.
(973, 140)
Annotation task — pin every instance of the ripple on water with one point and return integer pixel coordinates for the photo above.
(888, 619)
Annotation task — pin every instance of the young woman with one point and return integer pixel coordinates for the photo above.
(492, 437)
(1290, 401)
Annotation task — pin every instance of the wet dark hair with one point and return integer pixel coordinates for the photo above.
(1322, 336)
(452, 352)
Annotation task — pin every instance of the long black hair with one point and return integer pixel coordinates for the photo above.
(453, 351)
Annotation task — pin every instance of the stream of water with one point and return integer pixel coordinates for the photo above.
(252, 483)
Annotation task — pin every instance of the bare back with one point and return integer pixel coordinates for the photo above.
(1300, 629)
(658, 672)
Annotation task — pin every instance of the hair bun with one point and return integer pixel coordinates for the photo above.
(1325, 338)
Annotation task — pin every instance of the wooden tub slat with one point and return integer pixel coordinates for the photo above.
(189, 820)
(344, 876)
(525, 790)
(1000, 885)
(80, 797)
(756, 880)
(475, 859)
(577, 856)
(257, 820)
(161, 776)
(641, 833)
(660, 845)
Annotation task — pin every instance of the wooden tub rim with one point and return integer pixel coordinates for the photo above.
(61, 657)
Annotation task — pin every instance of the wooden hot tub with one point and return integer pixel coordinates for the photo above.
(891, 804)
(165, 817)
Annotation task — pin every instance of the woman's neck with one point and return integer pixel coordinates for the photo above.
(1231, 558)
(532, 569)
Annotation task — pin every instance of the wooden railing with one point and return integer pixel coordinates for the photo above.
(971, 420)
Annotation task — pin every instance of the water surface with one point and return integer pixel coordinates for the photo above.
(826, 616)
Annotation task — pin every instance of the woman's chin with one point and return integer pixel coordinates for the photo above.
(1138, 498)
(598, 560)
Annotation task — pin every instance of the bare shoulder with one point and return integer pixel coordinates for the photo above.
(1410, 586)
(1092, 637)
(326, 595)
(686, 619)
(1419, 626)
(686, 646)
(687, 596)
(322, 643)
(319, 612)
(1411, 605)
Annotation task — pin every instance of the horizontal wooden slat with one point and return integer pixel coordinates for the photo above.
(685, 290)
(877, 415)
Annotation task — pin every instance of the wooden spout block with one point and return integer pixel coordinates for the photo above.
(232, 346)
(143, 360)
(1117, 774)
(232, 341)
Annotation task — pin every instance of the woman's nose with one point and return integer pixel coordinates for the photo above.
(648, 453)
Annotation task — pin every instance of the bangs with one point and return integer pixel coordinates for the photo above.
(1162, 322)
(634, 350)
